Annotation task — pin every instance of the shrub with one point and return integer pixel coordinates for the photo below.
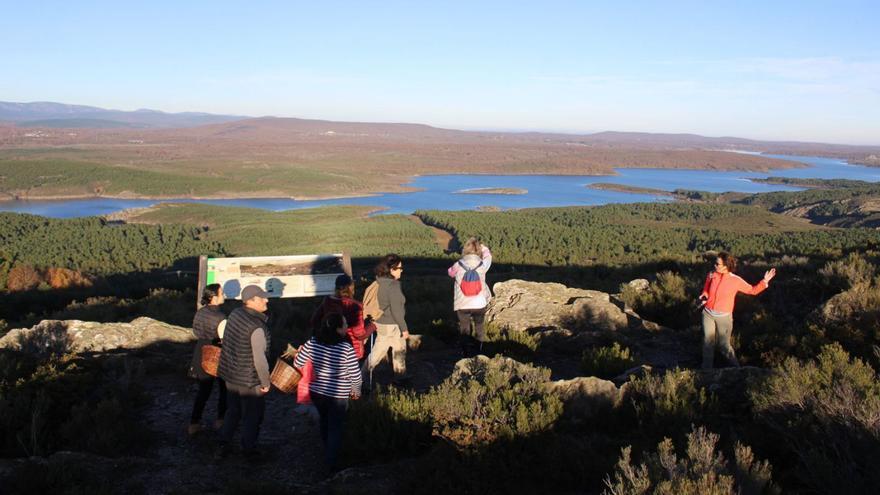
(23, 277)
(668, 402)
(848, 272)
(492, 399)
(518, 345)
(607, 362)
(703, 472)
(62, 278)
(826, 415)
(666, 300)
(104, 428)
(391, 423)
(59, 476)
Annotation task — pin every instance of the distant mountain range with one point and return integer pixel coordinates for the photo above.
(49, 115)
(60, 115)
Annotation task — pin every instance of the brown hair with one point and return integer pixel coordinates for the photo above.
(472, 246)
(326, 333)
(210, 292)
(729, 260)
(347, 291)
(383, 269)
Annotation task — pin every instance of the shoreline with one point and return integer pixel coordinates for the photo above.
(402, 188)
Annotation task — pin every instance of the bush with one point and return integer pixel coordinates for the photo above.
(492, 399)
(391, 423)
(703, 472)
(845, 273)
(518, 345)
(61, 402)
(62, 278)
(59, 476)
(23, 277)
(105, 428)
(825, 414)
(666, 301)
(607, 362)
(666, 403)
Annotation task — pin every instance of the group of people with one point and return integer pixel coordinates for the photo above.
(334, 362)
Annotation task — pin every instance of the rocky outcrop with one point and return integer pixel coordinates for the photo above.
(77, 336)
(519, 305)
(586, 396)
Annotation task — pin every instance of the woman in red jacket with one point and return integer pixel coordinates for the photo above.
(718, 296)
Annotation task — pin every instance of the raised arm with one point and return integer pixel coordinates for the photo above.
(487, 259)
(754, 290)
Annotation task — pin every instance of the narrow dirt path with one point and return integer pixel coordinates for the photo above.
(444, 238)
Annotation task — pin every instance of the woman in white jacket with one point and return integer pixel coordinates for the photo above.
(471, 294)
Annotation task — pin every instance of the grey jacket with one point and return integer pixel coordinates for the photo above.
(392, 303)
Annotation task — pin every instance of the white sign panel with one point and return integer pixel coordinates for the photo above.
(280, 276)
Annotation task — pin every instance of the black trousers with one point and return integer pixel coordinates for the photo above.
(248, 409)
(332, 411)
(204, 394)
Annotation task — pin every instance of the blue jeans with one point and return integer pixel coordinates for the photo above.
(332, 411)
(246, 408)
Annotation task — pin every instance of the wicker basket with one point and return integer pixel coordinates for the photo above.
(210, 358)
(285, 377)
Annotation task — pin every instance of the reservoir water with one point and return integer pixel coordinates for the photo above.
(439, 191)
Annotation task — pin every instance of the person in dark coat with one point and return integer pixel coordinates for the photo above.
(244, 365)
(208, 325)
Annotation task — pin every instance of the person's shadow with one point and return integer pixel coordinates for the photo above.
(232, 288)
(275, 287)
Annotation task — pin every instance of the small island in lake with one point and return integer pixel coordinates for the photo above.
(494, 190)
(606, 186)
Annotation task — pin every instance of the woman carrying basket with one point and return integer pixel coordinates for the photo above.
(208, 325)
(336, 379)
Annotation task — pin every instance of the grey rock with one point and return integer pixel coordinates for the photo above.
(59, 336)
(586, 396)
(519, 305)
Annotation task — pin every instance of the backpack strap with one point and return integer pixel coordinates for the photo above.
(466, 268)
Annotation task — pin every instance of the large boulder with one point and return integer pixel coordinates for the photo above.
(520, 306)
(586, 396)
(87, 336)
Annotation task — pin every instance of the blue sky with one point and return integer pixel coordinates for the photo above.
(766, 70)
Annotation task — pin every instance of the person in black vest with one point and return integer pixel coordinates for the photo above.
(208, 326)
(245, 367)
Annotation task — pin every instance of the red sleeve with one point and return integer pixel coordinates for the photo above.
(752, 290)
(706, 285)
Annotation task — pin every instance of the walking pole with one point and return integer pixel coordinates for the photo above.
(370, 358)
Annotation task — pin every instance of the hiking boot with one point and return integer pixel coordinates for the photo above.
(193, 428)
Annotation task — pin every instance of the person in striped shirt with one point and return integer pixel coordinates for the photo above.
(336, 378)
(718, 297)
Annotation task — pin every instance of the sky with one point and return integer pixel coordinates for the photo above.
(780, 70)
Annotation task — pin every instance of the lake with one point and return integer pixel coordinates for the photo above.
(439, 191)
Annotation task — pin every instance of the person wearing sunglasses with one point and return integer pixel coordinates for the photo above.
(391, 328)
(718, 297)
